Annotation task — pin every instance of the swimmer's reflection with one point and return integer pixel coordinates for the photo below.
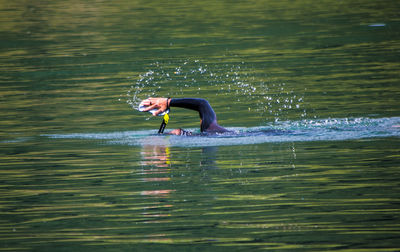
(157, 164)
(156, 174)
(160, 157)
(208, 158)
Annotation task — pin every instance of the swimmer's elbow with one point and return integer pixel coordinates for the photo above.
(203, 102)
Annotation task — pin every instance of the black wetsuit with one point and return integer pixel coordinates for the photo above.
(207, 115)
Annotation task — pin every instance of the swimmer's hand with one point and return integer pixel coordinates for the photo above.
(161, 104)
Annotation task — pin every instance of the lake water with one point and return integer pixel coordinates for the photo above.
(310, 88)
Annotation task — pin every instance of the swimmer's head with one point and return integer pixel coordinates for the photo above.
(180, 132)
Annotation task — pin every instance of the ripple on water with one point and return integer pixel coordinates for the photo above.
(333, 129)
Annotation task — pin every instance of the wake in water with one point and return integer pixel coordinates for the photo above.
(288, 131)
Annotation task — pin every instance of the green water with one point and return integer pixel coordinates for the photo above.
(81, 168)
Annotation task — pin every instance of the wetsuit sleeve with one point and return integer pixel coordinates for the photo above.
(207, 114)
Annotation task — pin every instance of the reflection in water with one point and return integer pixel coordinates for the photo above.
(156, 161)
(159, 156)
(156, 155)
(208, 157)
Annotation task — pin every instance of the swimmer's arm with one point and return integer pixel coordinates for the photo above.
(198, 104)
(207, 114)
(162, 104)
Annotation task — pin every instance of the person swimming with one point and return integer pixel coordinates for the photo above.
(208, 118)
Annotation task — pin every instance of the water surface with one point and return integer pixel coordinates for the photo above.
(310, 88)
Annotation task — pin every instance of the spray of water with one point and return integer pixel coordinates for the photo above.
(237, 81)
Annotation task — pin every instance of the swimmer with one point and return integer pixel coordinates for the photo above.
(208, 118)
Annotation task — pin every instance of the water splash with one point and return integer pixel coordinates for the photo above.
(377, 25)
(333, 129)
(235, 81)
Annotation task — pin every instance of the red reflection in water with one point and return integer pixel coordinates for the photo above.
(157, 192)
(155, 155)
